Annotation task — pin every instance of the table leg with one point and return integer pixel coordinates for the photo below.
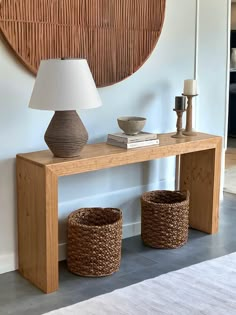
(37, 203)
(200, 174)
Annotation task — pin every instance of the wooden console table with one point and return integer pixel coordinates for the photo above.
(37, 193)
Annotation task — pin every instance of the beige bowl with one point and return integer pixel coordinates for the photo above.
(131, 125)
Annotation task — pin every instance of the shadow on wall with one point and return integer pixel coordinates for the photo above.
(156, 172)
(156, 106)
(114, 194)
(8, 201)
(128, 201)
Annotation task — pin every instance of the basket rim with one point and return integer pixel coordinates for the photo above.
(186, 192)
(119, 211)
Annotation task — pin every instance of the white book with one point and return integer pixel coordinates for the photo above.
(122, 137)
(133, 144)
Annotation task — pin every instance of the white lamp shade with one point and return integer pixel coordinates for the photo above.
(64, 85)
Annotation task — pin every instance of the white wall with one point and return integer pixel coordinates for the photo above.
(150, 92)
(212, 60)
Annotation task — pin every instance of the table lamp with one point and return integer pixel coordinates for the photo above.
(64, 86)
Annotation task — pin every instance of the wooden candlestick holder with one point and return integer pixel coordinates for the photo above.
(188, 129)
(179, 133)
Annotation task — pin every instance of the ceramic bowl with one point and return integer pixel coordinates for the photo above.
(131, 125)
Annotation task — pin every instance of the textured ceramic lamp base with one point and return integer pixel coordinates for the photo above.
(66, 134)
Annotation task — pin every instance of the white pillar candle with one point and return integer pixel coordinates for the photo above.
(190, 87)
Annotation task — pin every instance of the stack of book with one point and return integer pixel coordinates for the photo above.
(142, 139)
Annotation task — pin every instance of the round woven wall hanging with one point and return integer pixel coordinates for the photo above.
(115, 36)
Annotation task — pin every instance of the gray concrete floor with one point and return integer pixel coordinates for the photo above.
(18, 296)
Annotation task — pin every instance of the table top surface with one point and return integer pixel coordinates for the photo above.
(168, 146)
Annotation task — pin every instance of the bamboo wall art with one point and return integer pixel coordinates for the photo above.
(115, 36)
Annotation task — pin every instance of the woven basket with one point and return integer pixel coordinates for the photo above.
(94, 241)
(165, 218)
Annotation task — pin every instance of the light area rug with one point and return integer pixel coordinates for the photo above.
(230, 180)
(207, 288)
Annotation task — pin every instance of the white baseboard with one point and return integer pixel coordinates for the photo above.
(131, 229)
(8, 263)
(128, 230)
